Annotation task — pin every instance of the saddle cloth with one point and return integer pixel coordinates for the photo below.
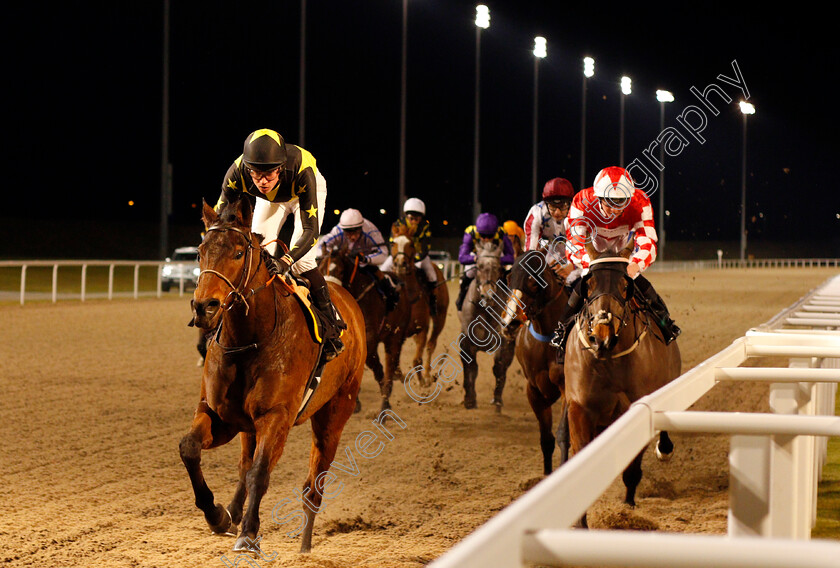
(316, 321)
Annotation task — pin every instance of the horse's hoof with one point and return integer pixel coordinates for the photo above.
(223, 524)
(200, 362)
(497, 402)
(247, 544)
(470, 403)
(662, 456)
(358, 406)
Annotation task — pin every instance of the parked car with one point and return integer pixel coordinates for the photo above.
(182, 265)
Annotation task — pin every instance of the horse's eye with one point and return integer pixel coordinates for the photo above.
(239, 254)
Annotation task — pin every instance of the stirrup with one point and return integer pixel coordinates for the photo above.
(671, 332)
(558, 338)
(332, 348)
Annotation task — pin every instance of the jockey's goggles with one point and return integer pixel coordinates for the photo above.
(615, 202)
(258, 175)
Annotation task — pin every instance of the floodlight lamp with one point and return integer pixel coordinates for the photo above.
(540, 47)
(664, 96)
(482, 16)
(588, 67)
(747, 108)
(625, 85)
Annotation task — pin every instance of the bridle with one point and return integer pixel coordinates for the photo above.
(237, 291)
(246, 274)
(606, 317)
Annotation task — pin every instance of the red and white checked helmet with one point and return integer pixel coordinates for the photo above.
(614, 183)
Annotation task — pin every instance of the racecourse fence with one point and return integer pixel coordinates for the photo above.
(775, 464)
(150, 284)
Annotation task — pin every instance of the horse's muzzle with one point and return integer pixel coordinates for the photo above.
(205, 312)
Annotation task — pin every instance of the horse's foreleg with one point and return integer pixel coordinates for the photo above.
(207, 431)
(431, 343)
(272, 430)
(327, 425)
(581, 432)
(664, 447)
(393, 348)
(420, 344)
(246, 460)
(542, 410)
(563, 431)
(470, 365)
(501, 362)
(632, 476)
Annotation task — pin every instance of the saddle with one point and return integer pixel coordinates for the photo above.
(316, 320)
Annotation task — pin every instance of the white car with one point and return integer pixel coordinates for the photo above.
(183, 265)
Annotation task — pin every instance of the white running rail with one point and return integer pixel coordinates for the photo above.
(775, 463)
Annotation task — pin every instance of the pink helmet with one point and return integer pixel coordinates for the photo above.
(614, 183)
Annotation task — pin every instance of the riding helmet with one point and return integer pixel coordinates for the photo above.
(351, 219)
(614, 183)
(264, 150)
(414, 205)
(486, 225)
(558, 189)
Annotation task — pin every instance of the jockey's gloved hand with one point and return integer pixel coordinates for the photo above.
(279, 266)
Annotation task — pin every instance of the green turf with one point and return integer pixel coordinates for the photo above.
(828, 498)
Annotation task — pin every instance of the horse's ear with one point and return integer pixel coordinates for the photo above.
(208, 215)
(245, 212)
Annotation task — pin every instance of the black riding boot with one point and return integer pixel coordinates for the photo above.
(332, 336)
(462, 293)
(321, 298)
(567, 321)
(385, 286)
(670, 330)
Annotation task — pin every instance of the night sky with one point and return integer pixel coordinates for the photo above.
(84, 123)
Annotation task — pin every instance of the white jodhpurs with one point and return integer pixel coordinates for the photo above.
(269, 217)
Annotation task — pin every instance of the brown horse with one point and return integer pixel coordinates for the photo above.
(389, 329)
(425, 335)
(544, 297)
(614, 356)
(257, 373)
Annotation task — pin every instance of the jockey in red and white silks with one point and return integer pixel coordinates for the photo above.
(606, 216)
(547, 219)
(609, 220)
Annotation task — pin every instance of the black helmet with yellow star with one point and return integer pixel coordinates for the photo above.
(264, 150)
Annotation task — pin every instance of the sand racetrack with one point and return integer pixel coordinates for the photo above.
(95, 397)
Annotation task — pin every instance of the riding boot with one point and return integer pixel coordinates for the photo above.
(567, 322)
(462, 293)
(387, 287)
(670, 330)
(430, 288)
(332, 336)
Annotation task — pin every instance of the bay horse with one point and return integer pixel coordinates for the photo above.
(390, 328)
(542, 296)
(257, 373)
(424, 327)
(481, 329)
(615, 355)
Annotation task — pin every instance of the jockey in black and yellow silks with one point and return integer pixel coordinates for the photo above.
(281, 180)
